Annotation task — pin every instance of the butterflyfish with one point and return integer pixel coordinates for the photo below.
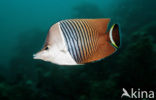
(79, 41)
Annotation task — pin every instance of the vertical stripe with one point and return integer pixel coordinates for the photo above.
(94, 37)
(65, 31)
(80, 39)
(77, 37)
(91, 35)
(86, 38)
(83, 42)
(74, 42)
(71, 41)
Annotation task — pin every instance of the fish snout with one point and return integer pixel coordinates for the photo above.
(42, 55)
(36, 56)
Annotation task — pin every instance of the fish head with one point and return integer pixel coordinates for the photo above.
(51, 53)
(55, 49)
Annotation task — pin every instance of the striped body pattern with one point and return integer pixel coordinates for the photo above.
(81, 39)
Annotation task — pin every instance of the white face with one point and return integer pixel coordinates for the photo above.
(55, 55)
(56, 49)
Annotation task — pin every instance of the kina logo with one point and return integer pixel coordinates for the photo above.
(137, 93)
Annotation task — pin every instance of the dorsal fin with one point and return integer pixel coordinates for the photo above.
(99, 24)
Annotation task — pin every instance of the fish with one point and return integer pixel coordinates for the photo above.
(79, 41)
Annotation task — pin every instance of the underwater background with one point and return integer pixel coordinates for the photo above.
(23, 28)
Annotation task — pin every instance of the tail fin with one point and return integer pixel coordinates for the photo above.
(114, 36)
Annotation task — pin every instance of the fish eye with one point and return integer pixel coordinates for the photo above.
(46, 48)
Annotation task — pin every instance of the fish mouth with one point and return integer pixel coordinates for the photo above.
(39, 57)
(35, 56)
